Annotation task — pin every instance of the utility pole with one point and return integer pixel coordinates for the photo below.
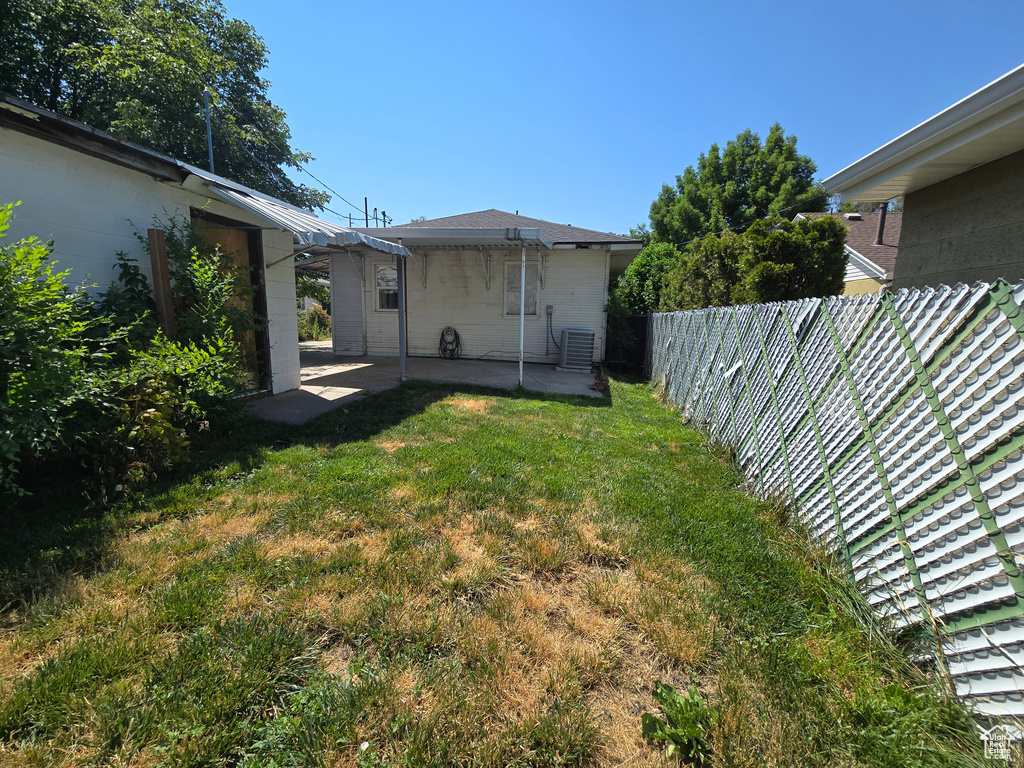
(366, 212)
(209, 131)
(350, 221)
(384, 217)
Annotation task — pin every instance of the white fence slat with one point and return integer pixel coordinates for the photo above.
(736, 372)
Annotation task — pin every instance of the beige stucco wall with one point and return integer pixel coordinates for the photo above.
(862, 286)
(92, 208)
(967, 228)
(456, 294)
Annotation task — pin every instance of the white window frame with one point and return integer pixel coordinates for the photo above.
(378, 289)
(515, 268)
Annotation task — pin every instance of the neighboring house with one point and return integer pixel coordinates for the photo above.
(960, 172)
(91, 193)
(465, 273)
(871, 252)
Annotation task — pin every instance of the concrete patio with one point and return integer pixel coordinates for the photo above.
(329, 381)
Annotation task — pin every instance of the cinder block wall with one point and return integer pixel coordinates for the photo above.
(967, 228)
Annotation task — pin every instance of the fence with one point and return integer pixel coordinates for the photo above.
(897, 424)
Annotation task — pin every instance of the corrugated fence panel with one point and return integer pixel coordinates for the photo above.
(896, 422)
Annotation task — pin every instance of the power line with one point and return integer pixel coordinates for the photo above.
(284, 150)
(265, 164)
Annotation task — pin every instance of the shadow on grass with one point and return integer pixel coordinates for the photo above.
(52, 535)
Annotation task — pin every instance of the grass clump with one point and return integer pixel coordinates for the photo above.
(438, 576)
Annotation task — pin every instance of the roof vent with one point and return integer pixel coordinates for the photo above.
(853, 217)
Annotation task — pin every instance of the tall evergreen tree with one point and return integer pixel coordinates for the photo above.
(730, 189)
(138, 69)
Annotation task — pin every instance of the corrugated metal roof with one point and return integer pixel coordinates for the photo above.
(307, 230)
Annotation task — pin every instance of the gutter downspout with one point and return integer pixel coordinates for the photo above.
(522, 309)
(401, 313)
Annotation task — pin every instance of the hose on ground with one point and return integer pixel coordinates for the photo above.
(450, 345)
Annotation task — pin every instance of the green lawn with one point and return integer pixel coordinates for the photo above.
(444, 576)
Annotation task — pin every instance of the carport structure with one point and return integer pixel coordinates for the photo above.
(421, 245)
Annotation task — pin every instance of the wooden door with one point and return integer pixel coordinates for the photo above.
(234, 243)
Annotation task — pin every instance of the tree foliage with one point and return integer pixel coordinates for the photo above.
(730, 189)
(138, 68)
(639, 288)
(772, 261)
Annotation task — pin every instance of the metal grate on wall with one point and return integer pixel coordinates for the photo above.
(896, 422)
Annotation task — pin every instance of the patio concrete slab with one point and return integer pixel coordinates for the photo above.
(329, 381)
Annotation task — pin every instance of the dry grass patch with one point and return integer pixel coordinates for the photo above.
(222, 527)
(472, 404)
(405, 494)
(542, 640)
(542, 554)
(299, 544)
(619, 704)
(373, 545)
(337, 659)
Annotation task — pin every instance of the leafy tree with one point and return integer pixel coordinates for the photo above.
(639, 288)
(852, 207)
(309, 287)
(706, 276)
(138, 68)
(772, 261)
(730, 189)
(642, 233)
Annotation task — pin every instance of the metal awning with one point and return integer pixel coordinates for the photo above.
(307, 230)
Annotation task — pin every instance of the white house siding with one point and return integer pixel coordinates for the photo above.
(456, 294)
(347, 305)
(92, 208)
(853, 273)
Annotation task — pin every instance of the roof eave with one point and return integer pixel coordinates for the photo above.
(865, 265)
(27, 118)
(991, 108)
(447, 237)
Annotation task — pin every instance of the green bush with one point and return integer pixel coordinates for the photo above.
(94, 386)
(773, 260)
(314, 324)
(639, 287)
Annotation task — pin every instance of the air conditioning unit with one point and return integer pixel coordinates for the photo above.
(577, 348)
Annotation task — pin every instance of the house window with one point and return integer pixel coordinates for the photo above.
(513, 273)
(387, 288)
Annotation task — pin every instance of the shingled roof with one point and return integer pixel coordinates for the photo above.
(861, 237)
(559, 234)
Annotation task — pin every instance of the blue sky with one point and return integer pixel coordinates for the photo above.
(577, 112)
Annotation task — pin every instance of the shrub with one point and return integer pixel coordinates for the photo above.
(773, 260)
(314, 324)
(639, 287)
(94, 385)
